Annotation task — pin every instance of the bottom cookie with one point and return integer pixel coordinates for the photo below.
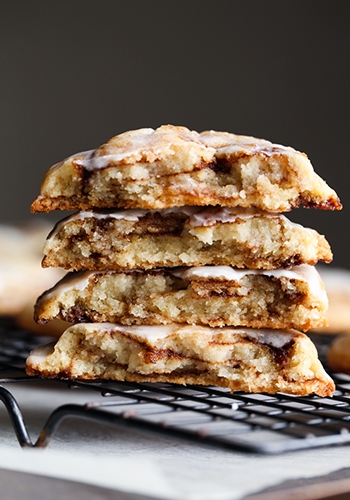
(243, 359)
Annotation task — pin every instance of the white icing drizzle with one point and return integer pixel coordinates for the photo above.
(152, 333)
(303, 272)
(138, 142)
(132, 146)
(276, 338)
(72, 281)
(133, 215)
(127, 214)
(38, 355)
(82, 156)
(79, 281)
(197, 216)
(209, 216)
(229, 273)
(91, 162)
(231, 143)
(148, 332)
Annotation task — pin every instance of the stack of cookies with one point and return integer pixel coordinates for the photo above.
(182, 267)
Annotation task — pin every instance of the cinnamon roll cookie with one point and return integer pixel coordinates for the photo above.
(241, 359)
(207, 295)
(173, 166)
(184, 236)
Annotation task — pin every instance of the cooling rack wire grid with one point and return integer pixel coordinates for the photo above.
(257, 423)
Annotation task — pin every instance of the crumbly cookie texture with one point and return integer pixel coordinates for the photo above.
(240, 359)
(208, 295)
(184, 236)
(173, 166)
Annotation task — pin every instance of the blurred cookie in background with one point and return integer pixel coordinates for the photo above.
(337, 284)
(338, 354)
(21, 276)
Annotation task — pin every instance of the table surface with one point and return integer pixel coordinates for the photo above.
(114, 462)
(101, 456)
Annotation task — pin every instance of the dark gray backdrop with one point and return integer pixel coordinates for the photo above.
(73, 73)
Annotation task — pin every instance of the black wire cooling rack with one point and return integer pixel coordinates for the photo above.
(256, 423)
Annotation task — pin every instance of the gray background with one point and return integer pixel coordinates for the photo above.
(76, 72)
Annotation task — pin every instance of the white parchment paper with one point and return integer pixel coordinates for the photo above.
(156, 466)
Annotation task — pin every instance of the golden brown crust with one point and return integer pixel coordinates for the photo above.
(173, 166)
(240, 359)
(304, 388)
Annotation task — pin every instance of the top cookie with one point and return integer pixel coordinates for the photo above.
(173, 166)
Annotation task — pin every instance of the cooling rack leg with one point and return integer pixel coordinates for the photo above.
(68, 411)
(16, 417)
